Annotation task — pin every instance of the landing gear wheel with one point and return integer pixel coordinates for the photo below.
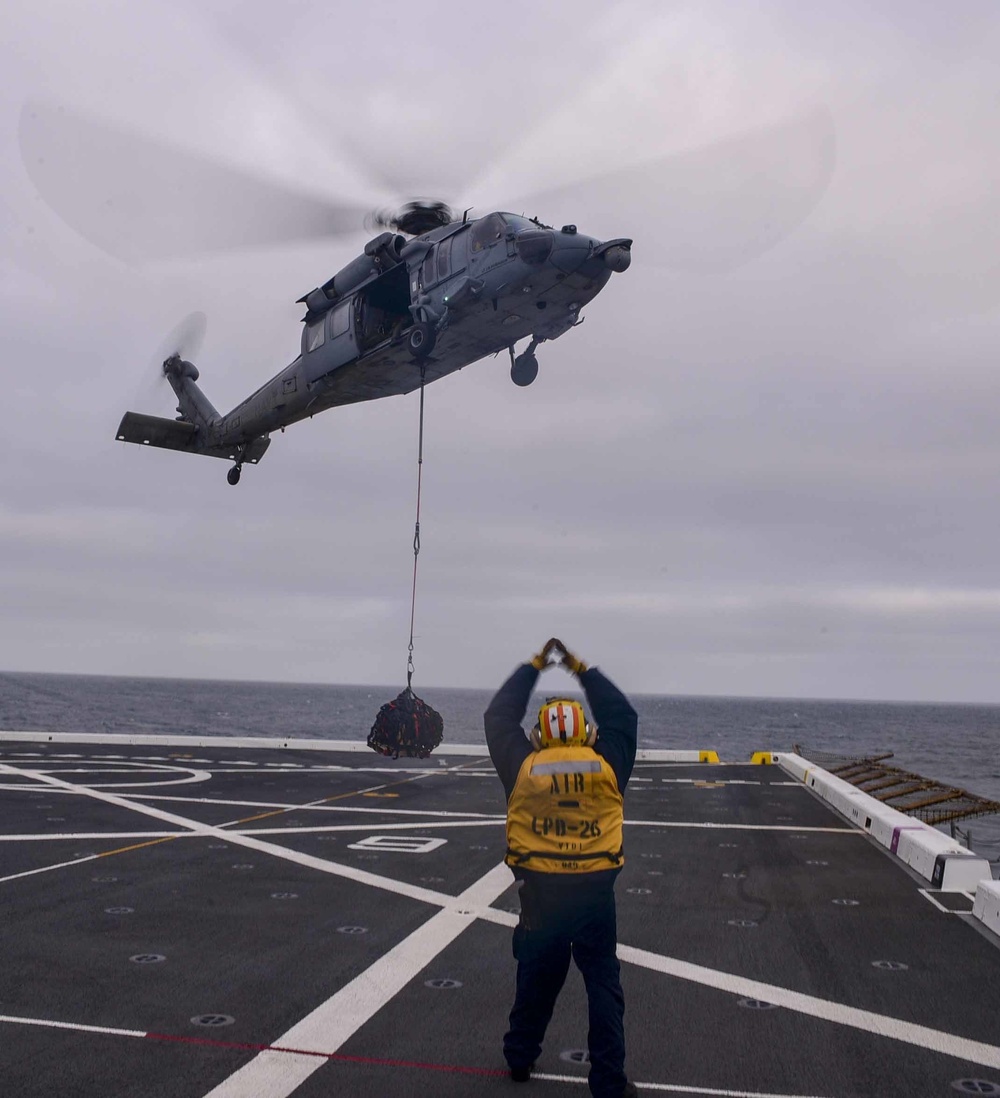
(524, 369)
(233, 476)
(421, 339)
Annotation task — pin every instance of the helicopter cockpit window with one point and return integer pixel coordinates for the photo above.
(486, 231)
(516, 223)
(314, 335)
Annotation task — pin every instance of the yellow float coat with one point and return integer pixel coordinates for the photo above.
(565, 813)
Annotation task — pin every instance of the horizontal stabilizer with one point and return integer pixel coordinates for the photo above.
(172, 434)
(169, 434)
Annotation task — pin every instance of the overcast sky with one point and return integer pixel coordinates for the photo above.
(767, 464)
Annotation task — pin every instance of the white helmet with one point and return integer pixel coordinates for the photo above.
(562, 723)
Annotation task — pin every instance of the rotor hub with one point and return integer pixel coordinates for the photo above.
(415, 218)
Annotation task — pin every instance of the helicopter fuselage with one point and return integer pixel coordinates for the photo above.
(407, 312)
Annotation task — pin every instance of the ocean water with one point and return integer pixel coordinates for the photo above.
(956, 744)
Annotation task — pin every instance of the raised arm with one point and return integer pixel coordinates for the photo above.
(617, 722)
(505, 737)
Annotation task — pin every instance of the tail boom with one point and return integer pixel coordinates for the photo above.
(198, 428)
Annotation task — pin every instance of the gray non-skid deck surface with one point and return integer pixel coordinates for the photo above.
(240, 868)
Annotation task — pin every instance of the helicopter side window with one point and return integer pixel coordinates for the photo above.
(428, 271)
(314, 335)
(444, 259)
(486, 231)
(340, 319)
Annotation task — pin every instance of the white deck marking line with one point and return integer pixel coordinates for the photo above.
(194, 777)
(309, 861)
(426, 814)
(49, 792)
(269, 771)
(313, 806)
(116, 768)
(80, 836)
(20, 787)
(164, 772)
(335, 768)
(325, 1029)
(926, 893)
(71, 1025)
(91, 836)
(409, 771)
(675, 1088)
(673, 764)
(711, 781)
(369, 827)
(745, 827)
(48, 868)
(927, 896)
(962, 1048)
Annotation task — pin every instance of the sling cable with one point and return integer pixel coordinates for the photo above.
(407, 725)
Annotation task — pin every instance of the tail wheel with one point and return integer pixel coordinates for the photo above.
(421, 339)
(233, 476)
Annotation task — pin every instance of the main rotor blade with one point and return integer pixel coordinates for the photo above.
(138, 199)
(711, 209)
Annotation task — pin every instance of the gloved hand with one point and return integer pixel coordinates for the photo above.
(572, 663)
(541, 661)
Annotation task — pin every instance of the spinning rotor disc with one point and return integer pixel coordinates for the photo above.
(139, 199)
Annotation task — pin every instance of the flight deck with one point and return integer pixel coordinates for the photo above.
(228, 919)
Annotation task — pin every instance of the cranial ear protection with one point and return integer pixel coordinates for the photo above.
(562, 723)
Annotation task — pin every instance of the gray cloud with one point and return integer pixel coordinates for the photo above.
(777, 478)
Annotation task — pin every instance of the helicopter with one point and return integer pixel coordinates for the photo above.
(429, 294)
(406, 312)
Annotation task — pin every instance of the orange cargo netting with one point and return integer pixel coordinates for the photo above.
(932, 801)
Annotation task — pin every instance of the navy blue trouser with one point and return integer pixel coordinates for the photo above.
(560, 918)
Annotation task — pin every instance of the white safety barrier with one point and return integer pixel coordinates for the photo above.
(927, 851)
(795, 765)
(987, 906)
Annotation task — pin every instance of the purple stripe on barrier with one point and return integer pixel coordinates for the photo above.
(894, 845)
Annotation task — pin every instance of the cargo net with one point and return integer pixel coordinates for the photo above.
(929, 800)
(407, 726)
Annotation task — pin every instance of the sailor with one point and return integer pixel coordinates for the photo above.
(564, 791)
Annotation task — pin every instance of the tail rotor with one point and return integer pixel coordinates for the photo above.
(183, 342)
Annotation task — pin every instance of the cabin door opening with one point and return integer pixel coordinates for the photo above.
(384, 308)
